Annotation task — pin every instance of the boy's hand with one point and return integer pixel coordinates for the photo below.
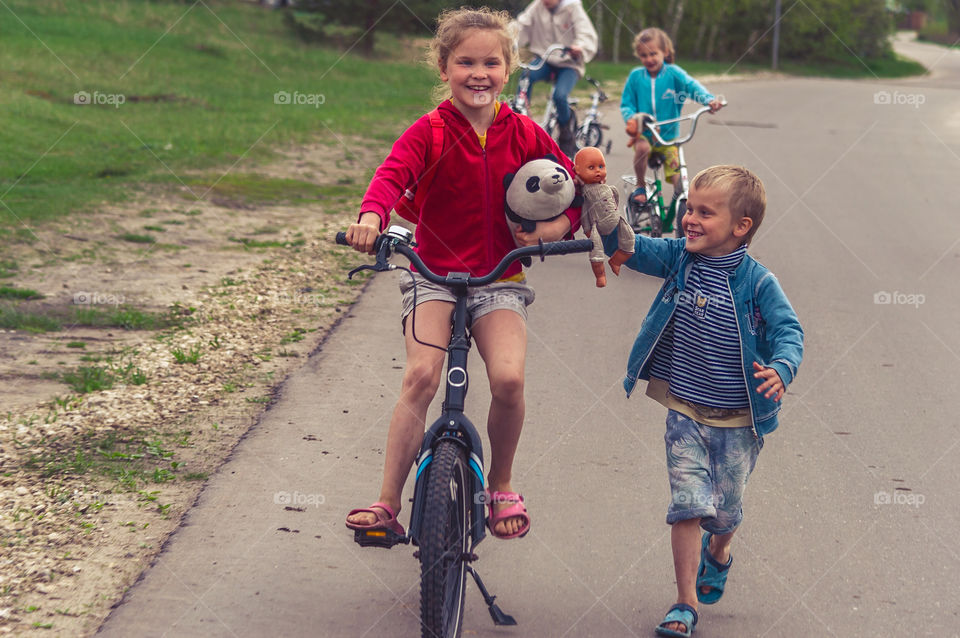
(554, 230)
(773, 384)
(715, 105)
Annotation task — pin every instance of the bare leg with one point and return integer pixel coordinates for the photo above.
(501, 338)
(685, 540)
(420, 380)
(641, 152)
(720, 550)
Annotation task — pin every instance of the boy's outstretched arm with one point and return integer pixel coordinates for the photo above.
(772, 383)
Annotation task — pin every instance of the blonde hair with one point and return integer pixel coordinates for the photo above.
(452, 28)
(746, 196)
(659, 38)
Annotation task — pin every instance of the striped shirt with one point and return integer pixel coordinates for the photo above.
(699, 351)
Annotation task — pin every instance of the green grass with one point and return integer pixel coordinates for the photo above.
(136, 238)
(8, 268)
(20, 294)
(13, 319)
(198, 82)
(133, 460)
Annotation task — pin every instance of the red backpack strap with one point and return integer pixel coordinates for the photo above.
(529, 137)
(409, 205)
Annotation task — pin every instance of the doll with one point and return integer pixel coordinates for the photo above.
(601, 213)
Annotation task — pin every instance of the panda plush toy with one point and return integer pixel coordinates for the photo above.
(540, 191)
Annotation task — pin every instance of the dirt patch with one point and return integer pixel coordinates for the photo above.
(223, 296)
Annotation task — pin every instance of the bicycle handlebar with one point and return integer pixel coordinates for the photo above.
(553, 48)
(398, 239)
(652, 126)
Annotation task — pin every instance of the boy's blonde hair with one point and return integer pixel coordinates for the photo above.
(452, 27)
(659, 38)
(746, 196)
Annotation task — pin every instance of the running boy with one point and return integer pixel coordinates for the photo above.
(658, 88)
(461, 227)
(718, 348)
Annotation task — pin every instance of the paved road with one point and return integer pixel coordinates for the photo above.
(851, 515)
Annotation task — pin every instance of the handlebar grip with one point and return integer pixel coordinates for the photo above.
(567, 247)
(341, 238)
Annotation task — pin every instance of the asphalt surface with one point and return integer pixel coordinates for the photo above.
(850, 517)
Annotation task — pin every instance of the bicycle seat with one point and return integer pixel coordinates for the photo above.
(655, 160)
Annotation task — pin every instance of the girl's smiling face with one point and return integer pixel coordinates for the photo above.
(476, 71)
(651, 56)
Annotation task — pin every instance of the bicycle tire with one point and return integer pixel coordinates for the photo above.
(593, 136)
(681, 211)
(444, 542)
(656, 221)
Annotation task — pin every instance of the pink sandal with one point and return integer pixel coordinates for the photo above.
(391, 523)
(515, 510)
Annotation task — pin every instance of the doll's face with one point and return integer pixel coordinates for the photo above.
(590, 165)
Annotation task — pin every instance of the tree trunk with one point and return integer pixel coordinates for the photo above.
(675, 19)
(953, 16)
(712, 40)
(617, 30)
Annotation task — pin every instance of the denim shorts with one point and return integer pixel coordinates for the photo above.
(708, 468)
(500, 295)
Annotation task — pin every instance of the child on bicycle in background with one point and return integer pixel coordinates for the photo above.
(547, 22)
(658, 88)
(718, 348)
(461, 227)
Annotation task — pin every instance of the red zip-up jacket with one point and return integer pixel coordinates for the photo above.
(462, 226)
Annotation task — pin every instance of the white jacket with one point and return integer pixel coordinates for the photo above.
(568, 24)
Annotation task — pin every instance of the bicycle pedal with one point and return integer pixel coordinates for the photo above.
(385, 538)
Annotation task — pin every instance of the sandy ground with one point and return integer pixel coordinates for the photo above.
(92, 484)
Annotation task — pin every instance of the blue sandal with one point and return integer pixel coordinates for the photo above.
(639, 190)
(681, 613)
(711, 574)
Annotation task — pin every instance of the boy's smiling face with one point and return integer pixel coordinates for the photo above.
(711, 228)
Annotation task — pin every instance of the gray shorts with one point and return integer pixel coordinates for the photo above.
(503, 295)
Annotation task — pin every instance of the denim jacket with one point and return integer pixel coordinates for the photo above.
(770, 332)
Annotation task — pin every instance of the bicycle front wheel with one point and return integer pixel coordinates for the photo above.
(444, 542)
(592, 136)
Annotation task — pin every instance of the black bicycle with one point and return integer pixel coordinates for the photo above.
(447, 519)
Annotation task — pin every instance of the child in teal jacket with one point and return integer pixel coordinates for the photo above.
(658, 88)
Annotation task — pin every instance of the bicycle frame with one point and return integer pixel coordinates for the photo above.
(667, 215)
(521, 100)
(453, 423)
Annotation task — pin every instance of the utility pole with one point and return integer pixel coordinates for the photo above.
(776, 34)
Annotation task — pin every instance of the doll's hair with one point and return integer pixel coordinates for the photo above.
(659, 39)
(746, 196)
(453, 26)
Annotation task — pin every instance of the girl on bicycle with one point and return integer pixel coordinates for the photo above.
(658, 88)
(461, 226)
